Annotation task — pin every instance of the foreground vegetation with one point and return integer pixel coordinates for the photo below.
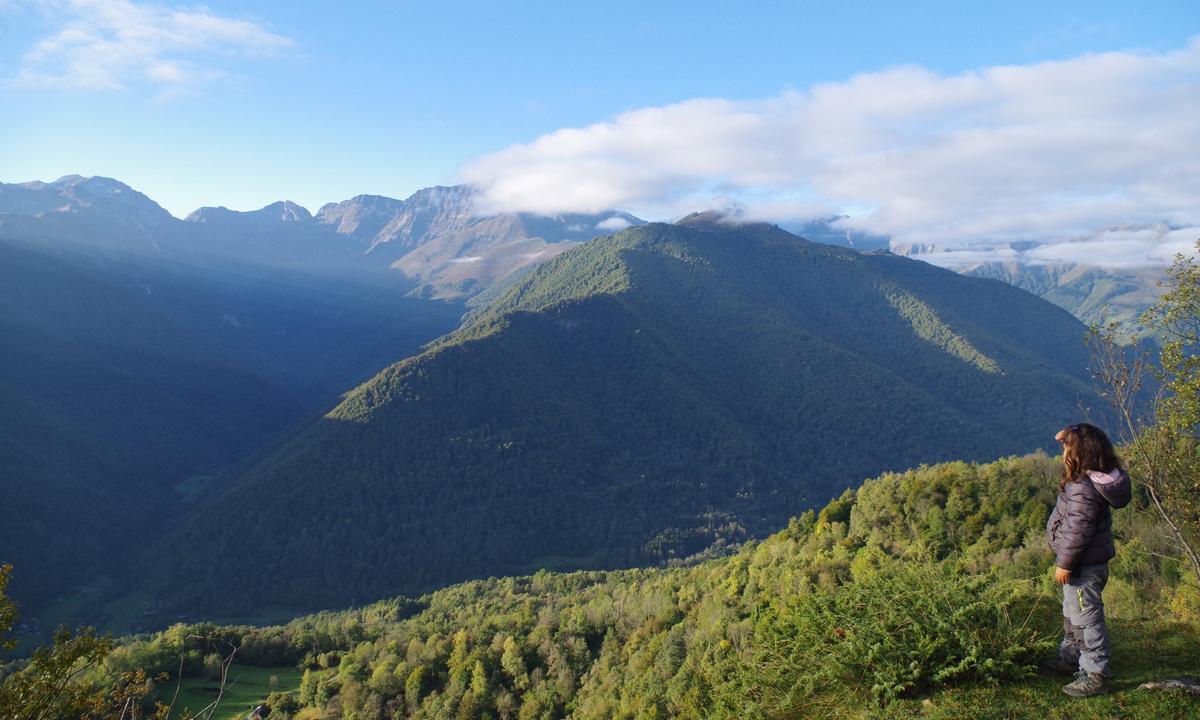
(1144, 651)
(921, 594)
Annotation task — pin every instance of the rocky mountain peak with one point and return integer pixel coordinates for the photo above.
(362, 216)
(287, 211)
(102, 196)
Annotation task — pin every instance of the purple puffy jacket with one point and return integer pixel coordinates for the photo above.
(1080, 528)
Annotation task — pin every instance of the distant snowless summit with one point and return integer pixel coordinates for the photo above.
(435, 240)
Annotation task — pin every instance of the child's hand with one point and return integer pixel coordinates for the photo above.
(1061, 576)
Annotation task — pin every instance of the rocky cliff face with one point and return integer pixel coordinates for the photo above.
(437, 239)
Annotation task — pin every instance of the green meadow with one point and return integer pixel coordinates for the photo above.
(245, 688)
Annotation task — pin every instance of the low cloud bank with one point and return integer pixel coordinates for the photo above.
(1000, 155)
(1114, 249)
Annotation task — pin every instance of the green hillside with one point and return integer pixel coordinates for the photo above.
(925, 593)
(645, 397)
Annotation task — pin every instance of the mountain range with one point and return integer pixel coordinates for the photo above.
(147, 358)
(643, 397)
(440, 246)
(178, 391)
(434, 242)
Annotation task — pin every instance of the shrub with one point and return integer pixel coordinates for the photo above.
(909, 626)
(1184, 600)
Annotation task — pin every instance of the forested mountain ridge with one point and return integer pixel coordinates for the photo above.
(642, 397)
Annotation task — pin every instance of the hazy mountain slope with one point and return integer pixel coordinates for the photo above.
(121, 380)
(83, 340)
(636, 399)
(1110, 274)
(282, 235)
(106, 401)
(50, 507)
(312, 335)
(1091, 294)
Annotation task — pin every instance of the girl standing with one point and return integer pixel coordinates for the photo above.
(1080, 533)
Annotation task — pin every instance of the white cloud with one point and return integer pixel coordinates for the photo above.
(1117, 248)
(963, 260)
(1053, 149)
(616, 223)
(1120, 248)
(113, 44)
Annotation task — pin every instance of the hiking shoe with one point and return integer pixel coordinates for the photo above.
(1086, 684)
(1058, 665)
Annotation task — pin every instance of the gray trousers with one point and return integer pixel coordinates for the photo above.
(1085, 636)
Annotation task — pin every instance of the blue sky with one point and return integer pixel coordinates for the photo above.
(241, 104)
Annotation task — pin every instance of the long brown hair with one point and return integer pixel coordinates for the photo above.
(1087, 448)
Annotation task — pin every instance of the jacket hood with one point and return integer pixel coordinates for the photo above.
(1113, 486)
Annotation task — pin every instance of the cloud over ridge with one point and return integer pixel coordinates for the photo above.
(1005, 153)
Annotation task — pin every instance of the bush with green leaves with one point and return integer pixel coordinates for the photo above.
(912, 625)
